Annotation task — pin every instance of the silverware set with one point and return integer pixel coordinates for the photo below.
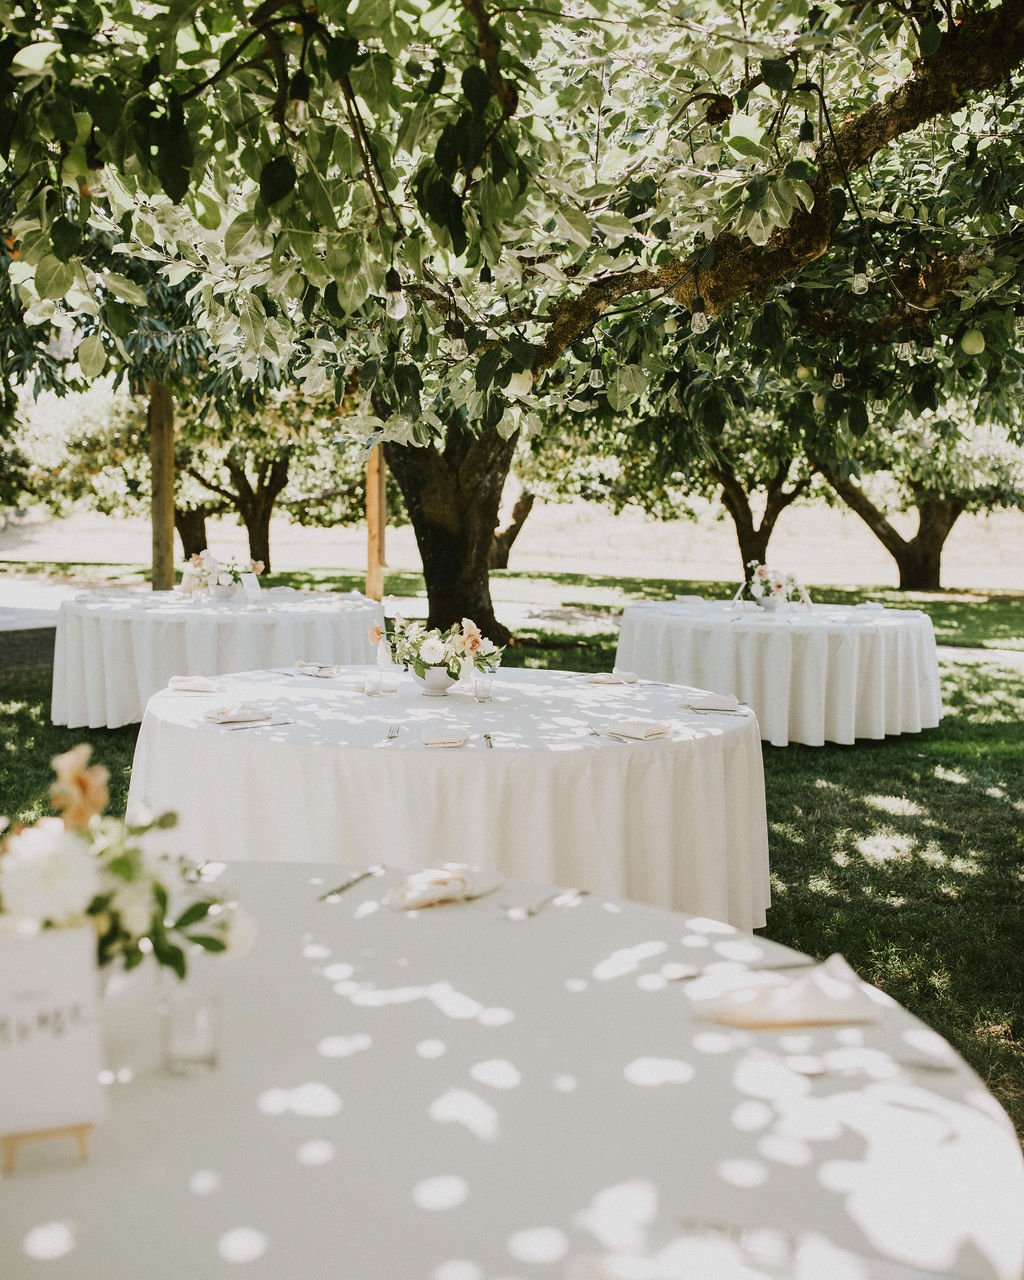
(393, 731)
(351, 882)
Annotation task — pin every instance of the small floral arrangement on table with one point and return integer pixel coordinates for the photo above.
(205, 570)
(83, 868)
(766, 585)
(461, 649)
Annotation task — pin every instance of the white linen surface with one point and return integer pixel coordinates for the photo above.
(825, 993)
(195, 684)
(678, 821)
(453, 1094)
(113, 653)
(828, 673)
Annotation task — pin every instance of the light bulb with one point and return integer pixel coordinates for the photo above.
(859, 283)
(699, 322)
(839, 380)
(927, 352)
(396, 306)
(879, 406)
(904, 350)
(596, 373)
(805, 141)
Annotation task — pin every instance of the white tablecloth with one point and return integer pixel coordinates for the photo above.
(829, 673)
(113, 651)
(455, 1095)
(678, 822)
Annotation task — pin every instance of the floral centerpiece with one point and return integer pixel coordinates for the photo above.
(86, 869)
(769, 587)
(204, 571)
(459, 651)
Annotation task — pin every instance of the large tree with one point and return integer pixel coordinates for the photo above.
(466, 202)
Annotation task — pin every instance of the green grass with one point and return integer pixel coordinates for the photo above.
(906, 855)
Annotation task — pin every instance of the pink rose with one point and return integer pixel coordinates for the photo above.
(375, 633)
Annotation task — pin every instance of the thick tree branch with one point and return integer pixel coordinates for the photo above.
(489, 48)
(976, 57)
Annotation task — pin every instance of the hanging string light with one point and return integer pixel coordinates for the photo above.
(859, 283)
(838, 378)
(926, 354)
(596, 369)
(904, 348)
(805, 141)
(699, 322)
(395, 305)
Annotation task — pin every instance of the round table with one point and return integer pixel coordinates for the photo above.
(115, 649)
(678, 821)
(828, 673)
(459, 1095)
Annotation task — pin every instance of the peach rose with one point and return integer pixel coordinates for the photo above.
(80, 790)
(471, 637)
(375, 633)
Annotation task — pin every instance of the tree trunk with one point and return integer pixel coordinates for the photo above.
(256, 504)
(918, 558)
(502, 539)
(160, 421)
(190, 523)
(452, 495)
(754, 539)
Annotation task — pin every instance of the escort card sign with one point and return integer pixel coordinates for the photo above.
(50, 1045)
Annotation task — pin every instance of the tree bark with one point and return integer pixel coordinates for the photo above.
(452, 495)
(255, 503)
(190, 523)
(160, 421)
(502, 539)
(919, 559)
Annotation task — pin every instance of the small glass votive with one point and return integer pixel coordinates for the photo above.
(483, 688)
(190, 1033)
(373, 685)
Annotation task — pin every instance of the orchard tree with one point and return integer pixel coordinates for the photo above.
(463, 202)
(936, 470)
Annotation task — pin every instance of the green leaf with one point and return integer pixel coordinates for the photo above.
(193, 914)
(35, 58)
(124, 289)
(207, 943)
(476, 86)
(92, 359)
(522, 351)
(372, 81)
(54, 278)
(66, 238)
(239, 234)
(929, 39)
(777, 74)
(487, 367)
(341, 56)
(276, 180)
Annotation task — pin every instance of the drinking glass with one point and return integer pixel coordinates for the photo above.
(190, 1033)
(483, 688)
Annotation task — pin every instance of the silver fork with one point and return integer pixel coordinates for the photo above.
(616, 737)
(526, 913)
(393, 732)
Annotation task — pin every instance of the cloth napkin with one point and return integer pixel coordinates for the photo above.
(444, 737)
(612, 677)
(237, 713)
(451, 882)
(322, 670)
(826, 993)
(711, 702)
(195, 684)
(642, 729)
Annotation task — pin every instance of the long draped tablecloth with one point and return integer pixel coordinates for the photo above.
(113, 651)
(457, 1095)
(679, 822)
(829, 673)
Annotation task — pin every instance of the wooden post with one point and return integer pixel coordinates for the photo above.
(382, 484)
(374, 525)
(160, 418)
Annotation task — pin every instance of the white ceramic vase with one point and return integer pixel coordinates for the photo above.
(436, 682)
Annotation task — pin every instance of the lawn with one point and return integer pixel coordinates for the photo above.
(907, 855)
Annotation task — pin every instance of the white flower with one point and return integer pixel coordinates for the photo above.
(241, 933)
(432, 651)
(224, 579)
(133, 903)
(486, 647)
(48, 874)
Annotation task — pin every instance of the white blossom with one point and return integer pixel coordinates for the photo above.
(48, 874)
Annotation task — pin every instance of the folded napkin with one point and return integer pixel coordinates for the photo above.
(442, 737)
(826, 993)
(195, 684)
(642, 729)
(711, 702)
(451, 882)
(322, 670)
(612, 677)
(237, 713)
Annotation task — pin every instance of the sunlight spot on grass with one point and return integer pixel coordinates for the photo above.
(841, 858)
(966, 865)
(823, 784)
(885, 847)
(894, 900)
(950, 775)
(898, 806)
(822, 885)
(933, 856)
(995, 793)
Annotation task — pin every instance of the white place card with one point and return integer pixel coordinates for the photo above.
(250, 586)
(50, 1045)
